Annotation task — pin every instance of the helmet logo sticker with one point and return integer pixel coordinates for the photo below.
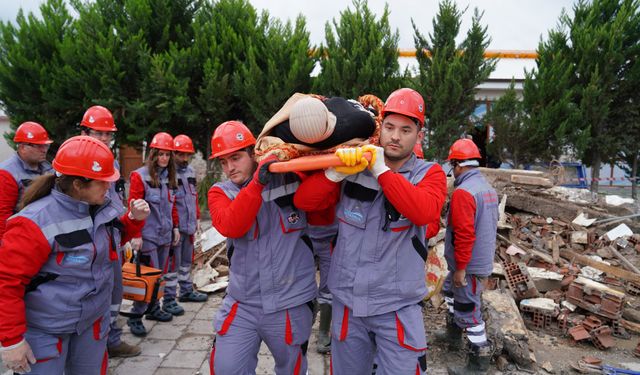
(96, 166)
(239, 136)
(293, 218)
(420, 108)
(177, 144)
(30, 135)
(91, 119)
(402, 101)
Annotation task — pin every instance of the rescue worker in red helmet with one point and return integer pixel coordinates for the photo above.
(377, 275)
(17, 172)
(470, 244)
(156, 183)
(97, 122)
(57, 264)
(272, 276)
(189, 214)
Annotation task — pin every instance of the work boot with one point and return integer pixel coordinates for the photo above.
(172, 307)
(193, 296)
(158, 314)
(478, 362)
(451, 336)
(137, 327)
(324, 336)
(124, 350)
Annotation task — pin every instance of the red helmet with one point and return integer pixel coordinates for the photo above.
(183, 143)
(405, 102)
(230, 136)
(162, 141)
(98, 118)
(31, 132)
(464, 149)
(417, 149)
(86, 157)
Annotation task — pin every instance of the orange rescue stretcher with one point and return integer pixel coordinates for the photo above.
(310, 163)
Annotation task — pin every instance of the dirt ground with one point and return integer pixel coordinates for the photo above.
(558, 350)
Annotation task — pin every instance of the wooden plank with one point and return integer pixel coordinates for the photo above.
(531, 180)
(610, 270)
(631, 326)
(628, 265)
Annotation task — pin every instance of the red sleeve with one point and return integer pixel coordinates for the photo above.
(174, 214)
(422, 203)
(132, 228)
(22, 253)
(462, 216)
(433, 228)
(317, 193)
(234, 218)
(136, 187)
(8, 198)
(323, 217)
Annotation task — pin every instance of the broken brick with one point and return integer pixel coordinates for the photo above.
(519, 280)
(601, 337)
(578, 333)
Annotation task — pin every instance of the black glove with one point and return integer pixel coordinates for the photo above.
(262, 174)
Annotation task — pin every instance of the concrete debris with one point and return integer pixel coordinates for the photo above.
(515, 250)
(502, 218)
(210, 266)
(210, 239)
(570, 264)
(531, 180)
(572, 195)
(581, 237)
(616, 200)
(582, 220)
(621, 230)
(506, 328)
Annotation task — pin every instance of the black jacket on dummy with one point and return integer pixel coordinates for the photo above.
(352, 121)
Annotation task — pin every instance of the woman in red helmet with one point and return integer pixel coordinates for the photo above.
(56, 265)
(156, 183)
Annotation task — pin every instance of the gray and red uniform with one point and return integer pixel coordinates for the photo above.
(377, 274)
(323, 238)
(188, 213)
(158, 227)
(56, 279)
(470, 244)
(15, 177)
(272, 276)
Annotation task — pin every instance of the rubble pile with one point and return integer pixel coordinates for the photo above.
(568, 260)
(574, 273)
(210, 271)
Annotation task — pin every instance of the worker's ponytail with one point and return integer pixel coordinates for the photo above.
(42, 186)
(39, 187)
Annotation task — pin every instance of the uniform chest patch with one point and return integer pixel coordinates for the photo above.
(293, 218)
(75, 259)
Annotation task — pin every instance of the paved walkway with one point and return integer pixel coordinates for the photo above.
(182, 346)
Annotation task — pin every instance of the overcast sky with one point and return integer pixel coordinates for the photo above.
(512, 24)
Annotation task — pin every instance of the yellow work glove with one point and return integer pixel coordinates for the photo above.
(353, 163)
(352, 159)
